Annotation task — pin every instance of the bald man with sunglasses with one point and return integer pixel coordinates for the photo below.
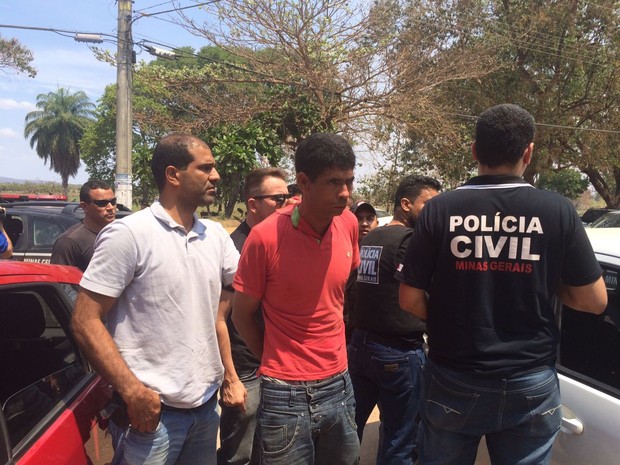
(76, 245)
(265, 191)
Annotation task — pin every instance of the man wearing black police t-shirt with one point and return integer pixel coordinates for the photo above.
(491, 255)
(386, 354)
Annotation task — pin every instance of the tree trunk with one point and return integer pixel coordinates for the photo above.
(234, 196)
(65, 186)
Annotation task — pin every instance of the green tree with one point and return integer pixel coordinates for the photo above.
(56, 129)
(14, 56)
(98, 146)
(569, 182)
(558, 60)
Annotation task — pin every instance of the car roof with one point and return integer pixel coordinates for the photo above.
(605, 242)
(14, 272)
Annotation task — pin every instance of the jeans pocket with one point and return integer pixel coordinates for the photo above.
(545, 412)
(447, 408)
(277, 430)
(349, 409)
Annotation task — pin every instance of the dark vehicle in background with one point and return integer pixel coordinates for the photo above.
(610, 219)
(592, 214)
(49, 396)
(34, 226)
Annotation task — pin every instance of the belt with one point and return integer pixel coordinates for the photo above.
(413, 341)
(304, 382)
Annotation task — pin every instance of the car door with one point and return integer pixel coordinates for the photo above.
(589, 371)
(49, 397)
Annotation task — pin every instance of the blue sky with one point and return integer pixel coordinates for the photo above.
(62, 62)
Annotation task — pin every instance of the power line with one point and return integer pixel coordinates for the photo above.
(548, 125)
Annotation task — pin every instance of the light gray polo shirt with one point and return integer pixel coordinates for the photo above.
(168, 283)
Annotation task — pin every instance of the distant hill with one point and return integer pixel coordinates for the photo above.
(22, 181)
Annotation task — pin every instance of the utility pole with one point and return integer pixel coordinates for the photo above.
(124, 114)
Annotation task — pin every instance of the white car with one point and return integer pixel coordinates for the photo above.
(383, 217)
(589, 371)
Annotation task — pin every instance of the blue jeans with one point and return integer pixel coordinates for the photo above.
(520, 417)
(307, 424)
(182, 437)
(389, 377)
(237, 429)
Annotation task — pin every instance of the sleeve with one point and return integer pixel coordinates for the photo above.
(354, 227)
(230, 258)
(402, 250)
(251, 276)
(580, 265)
(65, 252)
(4, 243)
(418, 265)
(114, 263)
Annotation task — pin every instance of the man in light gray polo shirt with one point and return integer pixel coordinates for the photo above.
(156, 277)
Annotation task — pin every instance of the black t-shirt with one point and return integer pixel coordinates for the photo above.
(376, 304)
(244, 360)
(74, 247)
(491, 255)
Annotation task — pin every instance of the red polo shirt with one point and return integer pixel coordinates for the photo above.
(300, 278)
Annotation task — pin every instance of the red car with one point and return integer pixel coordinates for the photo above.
(50, 397)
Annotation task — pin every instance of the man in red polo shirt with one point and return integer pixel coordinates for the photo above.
(296, 263)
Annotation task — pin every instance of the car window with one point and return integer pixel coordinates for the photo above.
(45, 232)
(590, 344)
(39, 363)
(609, 220)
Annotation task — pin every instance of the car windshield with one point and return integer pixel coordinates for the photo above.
(609, 220)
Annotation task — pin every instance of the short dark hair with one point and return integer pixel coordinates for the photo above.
(412, 186)
(322, 151)
(503, 132)
(255, 178)
(173, 150)
(293, 189)
(89, 186)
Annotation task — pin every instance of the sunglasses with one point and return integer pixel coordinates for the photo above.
(279, 199)
(104, 202)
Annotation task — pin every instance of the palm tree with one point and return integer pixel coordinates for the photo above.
(56, 129)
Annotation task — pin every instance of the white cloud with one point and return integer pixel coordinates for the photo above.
(8, 132)
(12, 104)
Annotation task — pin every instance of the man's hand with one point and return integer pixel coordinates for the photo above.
(143, 409)
(234, 394)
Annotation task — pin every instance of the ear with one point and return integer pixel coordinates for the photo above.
(473, 151)
(83, 205)
(405, 204)
(172, 175)
(303, 181)
(527, 154)
(251, 205)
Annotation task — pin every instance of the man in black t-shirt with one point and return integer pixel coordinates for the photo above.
(491, 256)
(76, 245)
(264, 191)
(386, 354)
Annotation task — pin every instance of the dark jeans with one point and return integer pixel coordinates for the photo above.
(307, 424)
(520, 417)
(389, 377)
(237, 429)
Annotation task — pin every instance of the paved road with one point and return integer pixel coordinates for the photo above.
(368, 453)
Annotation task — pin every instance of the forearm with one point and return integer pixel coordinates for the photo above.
(591, 298)
(244, 319)
(413, 300)
(96, 343)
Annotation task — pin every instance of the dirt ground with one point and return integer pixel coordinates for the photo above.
(229, 225)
